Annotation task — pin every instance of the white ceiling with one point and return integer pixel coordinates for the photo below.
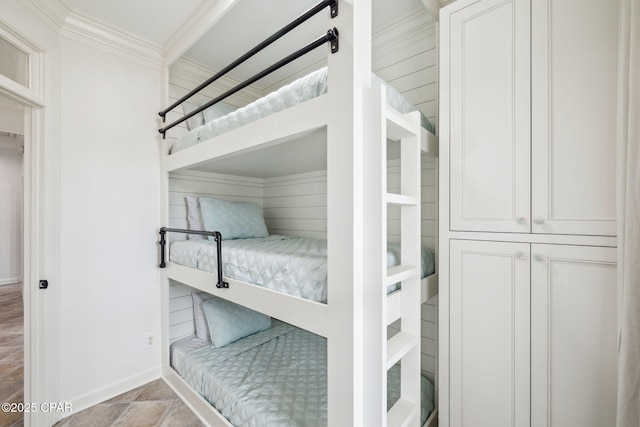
(157, 20)
(245, 25)
(251, 21)
(152, 20)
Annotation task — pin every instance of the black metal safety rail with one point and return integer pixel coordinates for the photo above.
(216, 235)
(331, 36)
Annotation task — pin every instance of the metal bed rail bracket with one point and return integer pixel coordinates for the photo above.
(333, 37)
(215, 234)
(334, 9)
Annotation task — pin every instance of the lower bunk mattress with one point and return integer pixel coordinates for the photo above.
(292, 265)
(276, 377)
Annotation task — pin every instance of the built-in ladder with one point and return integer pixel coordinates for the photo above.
(402, 134)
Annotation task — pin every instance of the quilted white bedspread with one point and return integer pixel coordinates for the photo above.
(277, 377)
(297, 92)
(292, 265)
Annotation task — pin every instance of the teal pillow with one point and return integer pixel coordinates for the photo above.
(228, 322)
(234, 220)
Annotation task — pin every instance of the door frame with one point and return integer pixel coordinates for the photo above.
(41, 227)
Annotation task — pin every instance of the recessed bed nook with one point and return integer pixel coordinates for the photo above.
(273, 376)
(298, 239)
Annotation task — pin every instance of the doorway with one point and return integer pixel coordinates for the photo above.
(11, 260)
(22, 86)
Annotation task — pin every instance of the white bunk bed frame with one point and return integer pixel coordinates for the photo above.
(358, 310)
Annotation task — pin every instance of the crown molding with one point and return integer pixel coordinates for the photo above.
(51, 12)
(73, 24)
(31, 23)
(85, 29)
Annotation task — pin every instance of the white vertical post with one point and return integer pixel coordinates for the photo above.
(349, 74)
(410, 254)
(375, 260)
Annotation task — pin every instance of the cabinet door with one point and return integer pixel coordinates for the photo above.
(489, 334)
(574, 68)
(489, 116)
(573, 336)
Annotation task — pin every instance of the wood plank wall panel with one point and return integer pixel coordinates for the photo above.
(203, 184)
(180, 311)
(184, 76)
(410, 65)
(297, 205)
(200, 184)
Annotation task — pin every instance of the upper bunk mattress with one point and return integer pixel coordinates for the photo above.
(297, 92)
(292, 265)
(276, 377)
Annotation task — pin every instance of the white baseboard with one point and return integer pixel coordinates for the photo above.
(85, 401)
(10, 281)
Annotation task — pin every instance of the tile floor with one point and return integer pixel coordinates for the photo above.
(151, 405)
(11, 351)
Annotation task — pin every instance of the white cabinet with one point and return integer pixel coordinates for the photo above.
(573, 336)
(574, 75)
(527, 272)
(532, 335)
(531, 94)
(489, 120)
(490, 326)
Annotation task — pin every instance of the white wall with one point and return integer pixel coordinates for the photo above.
(10, 211)
(109, 217)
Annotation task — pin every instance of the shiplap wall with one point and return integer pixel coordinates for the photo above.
(199, 184)
(405, 56)
(185, 75)
(295, 205)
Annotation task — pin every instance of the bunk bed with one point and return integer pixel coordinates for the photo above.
(338, 320)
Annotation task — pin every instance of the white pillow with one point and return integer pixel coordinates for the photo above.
(202, 328)
(195, 121)
(194, 218)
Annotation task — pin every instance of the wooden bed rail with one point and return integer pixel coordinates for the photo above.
(331, 36)
(215, 234)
